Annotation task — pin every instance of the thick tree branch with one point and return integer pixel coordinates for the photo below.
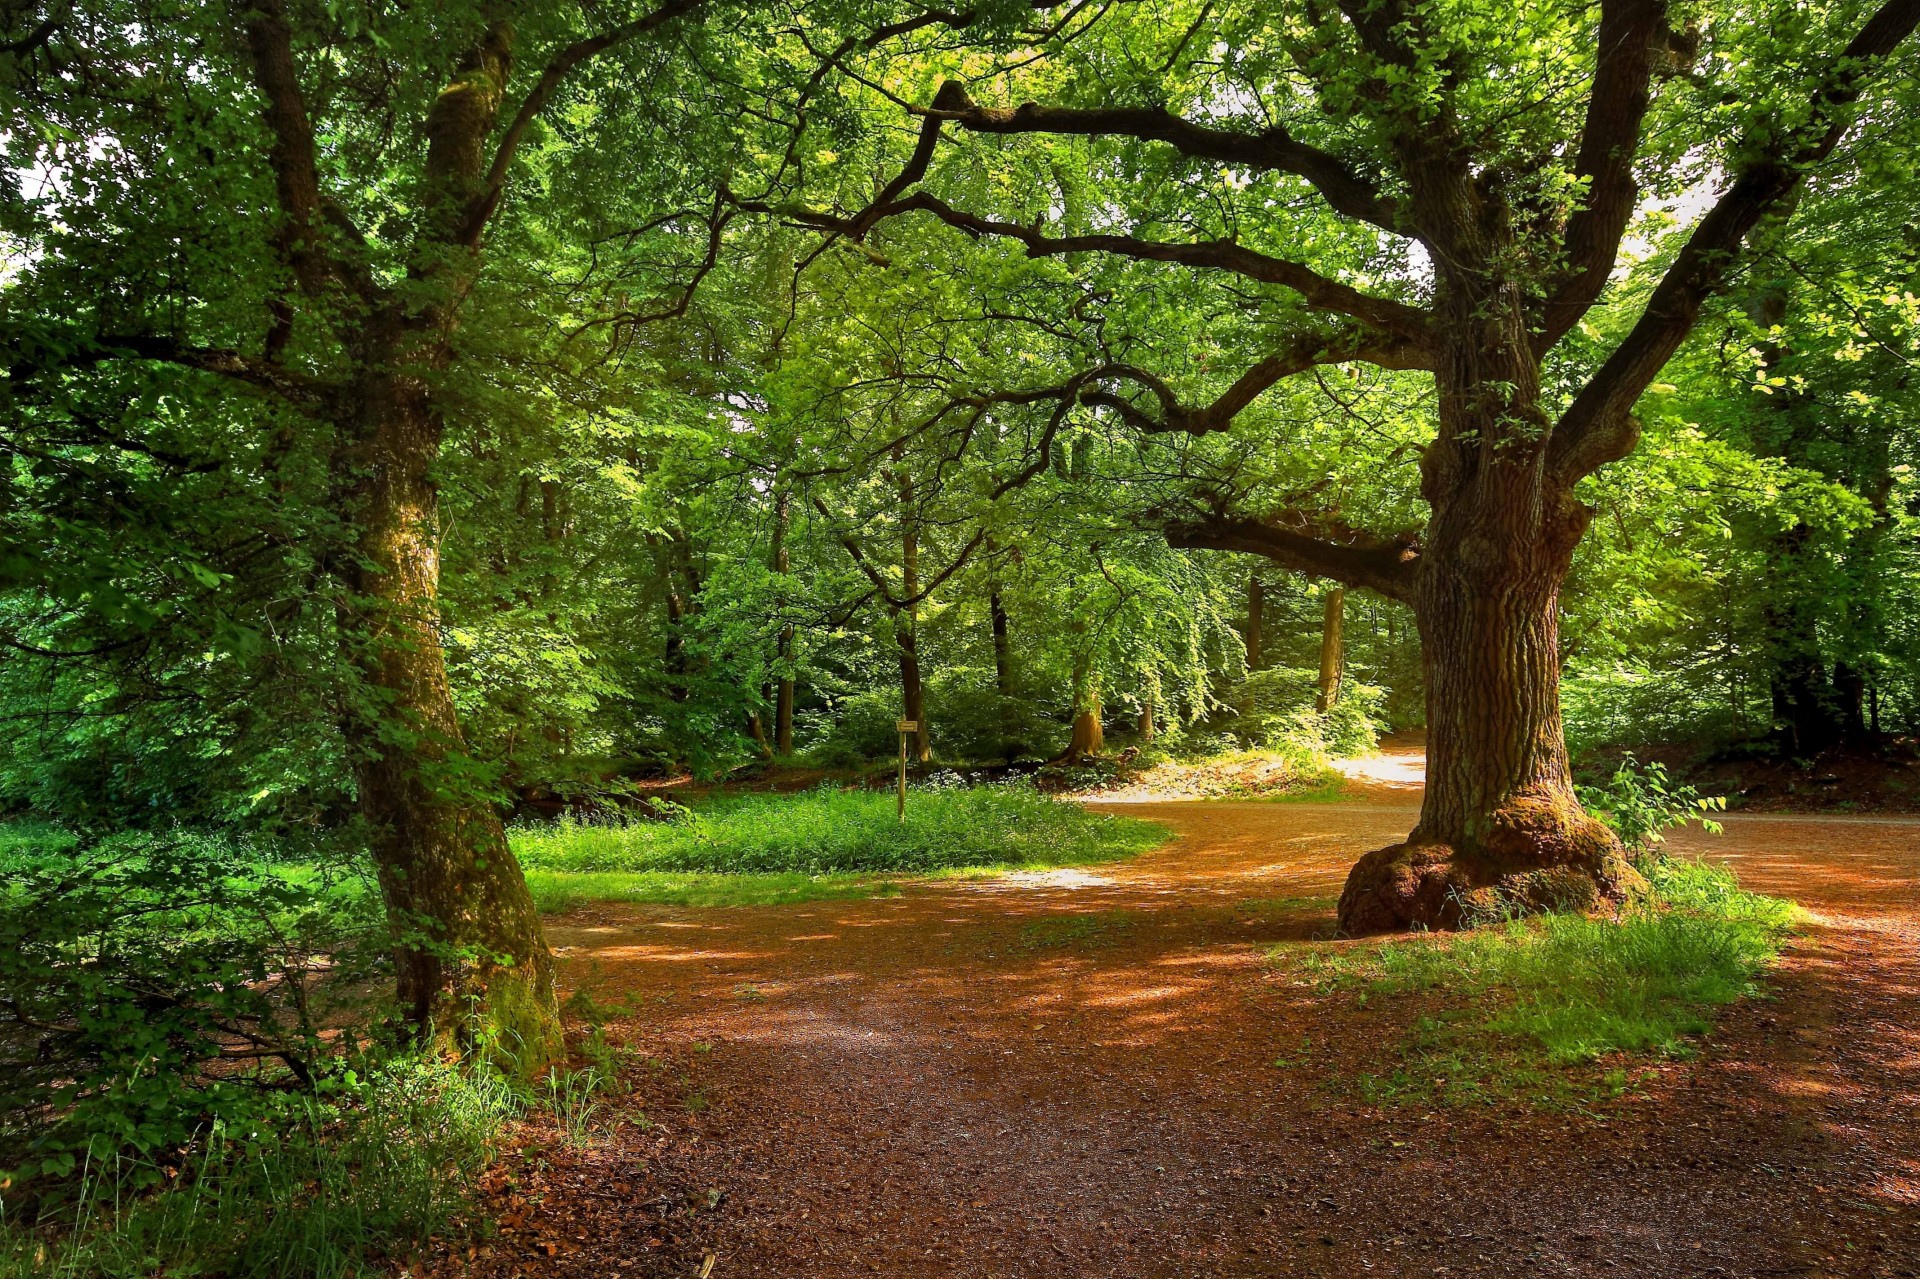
(1388, 567)
(557, 69)
(1320, 292)
(1309, 351)
(1271, 150)
(295, 174)
(297, 387)
(1631, 33)
(1599, 427)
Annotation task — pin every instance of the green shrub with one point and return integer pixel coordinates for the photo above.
(826, 831)
(973, 720)
(1641, 804)
(340, 1181)
(1276, 712)
(153, 984)
(858, 729)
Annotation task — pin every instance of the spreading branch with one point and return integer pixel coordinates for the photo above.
(1631, 33)
(557, 69)
(1273, 149)
(1386, 566)
(1599, 426)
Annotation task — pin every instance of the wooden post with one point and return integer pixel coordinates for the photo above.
(906, 727)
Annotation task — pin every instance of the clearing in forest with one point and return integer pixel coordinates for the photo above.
(1101, 1072)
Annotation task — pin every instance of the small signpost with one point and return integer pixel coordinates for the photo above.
(906, 727)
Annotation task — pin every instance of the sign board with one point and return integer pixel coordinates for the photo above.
(907, 725)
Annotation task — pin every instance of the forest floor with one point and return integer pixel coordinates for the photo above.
(1096, 1073)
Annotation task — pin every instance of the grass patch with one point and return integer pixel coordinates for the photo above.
(830, 832)
(1541, 994)
(556, 892)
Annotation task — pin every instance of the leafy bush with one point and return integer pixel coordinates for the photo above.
(1276, 712)
(973, 720)
(151, 985)
(364, 1170)
(825, 830)
(1641, 804)
(859, 728)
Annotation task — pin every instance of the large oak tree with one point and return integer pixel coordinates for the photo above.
(1443, 190)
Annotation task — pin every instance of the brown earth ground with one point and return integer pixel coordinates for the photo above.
(1074, 1075)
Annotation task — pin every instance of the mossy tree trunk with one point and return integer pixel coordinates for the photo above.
(1332, 649)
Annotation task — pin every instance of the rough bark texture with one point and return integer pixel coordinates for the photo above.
(1256, 621)
(1002, 644)
(783, 694)
(472, 960)
(1332, 649)
(1500, 828)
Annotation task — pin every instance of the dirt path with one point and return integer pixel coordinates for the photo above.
(1073, 1075)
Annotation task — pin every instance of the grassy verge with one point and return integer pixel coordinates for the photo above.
(1523, 1000)
(823, 844)
(558, 891)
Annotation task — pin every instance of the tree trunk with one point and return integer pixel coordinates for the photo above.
(473, 965)
(1500, 829)
(783, 692)
(468, 939)
(1145, 725)
(1088, 737)
(1256, 618)
(1332, 650)
(913, 694)
(913, 699)
(1002, 645)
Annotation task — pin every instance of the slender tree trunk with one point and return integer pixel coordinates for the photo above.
(472, 960)
(1145, 724)
(1088, 737)
(1002, 644)
(783, 692)
(1256, 620)
(1332, 649)
(913, 693)
(913, 699)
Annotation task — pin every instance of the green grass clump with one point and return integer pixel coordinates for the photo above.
(1559, 990)
(828, 832)
(555, 891)
(330, 1185)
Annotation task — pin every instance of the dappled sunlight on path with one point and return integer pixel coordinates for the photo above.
(1096, 1073)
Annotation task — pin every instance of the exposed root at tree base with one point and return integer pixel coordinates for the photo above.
(1539, 855)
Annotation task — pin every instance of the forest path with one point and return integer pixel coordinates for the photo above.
(1073, 1074)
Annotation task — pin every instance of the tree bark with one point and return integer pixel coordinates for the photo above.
(1500, 828)
(1088, 737)
(783, 691)
(1145, 725)
(1002, 644)
(913, 698)
(1256, 620)
(1332, 650)
(473, 964)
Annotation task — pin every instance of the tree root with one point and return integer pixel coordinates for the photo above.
(1539, 855)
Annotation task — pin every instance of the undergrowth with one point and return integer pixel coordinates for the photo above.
(827, 832)
(1526, 998)
(346, 1180)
